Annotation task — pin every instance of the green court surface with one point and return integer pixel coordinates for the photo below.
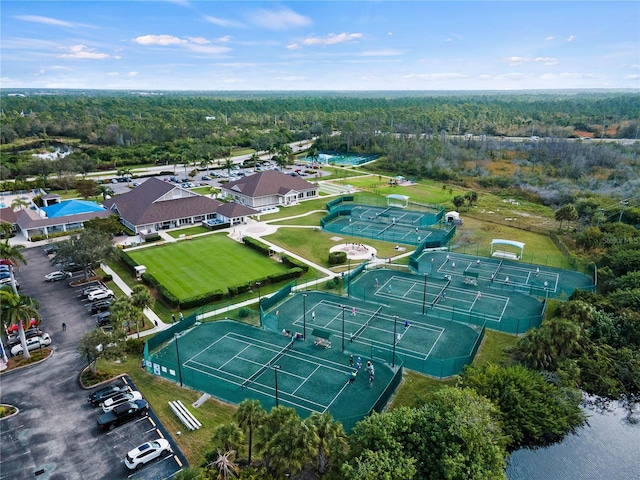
(234, 361)
(379, 330)
(390, 224)
(460, 300)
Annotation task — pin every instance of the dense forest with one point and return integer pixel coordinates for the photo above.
(590, 343)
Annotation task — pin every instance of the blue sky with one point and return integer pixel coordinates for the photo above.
(319, 45)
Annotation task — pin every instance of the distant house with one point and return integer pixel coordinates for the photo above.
(269, 189)
(156, 205)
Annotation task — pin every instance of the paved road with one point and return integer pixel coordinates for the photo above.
(55, 432)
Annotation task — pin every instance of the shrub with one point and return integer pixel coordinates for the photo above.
(337, 258)
(134, 346)
(107, 278)
(244, 312)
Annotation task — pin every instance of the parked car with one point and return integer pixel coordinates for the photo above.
(99, 396)
(7, 281)
(14, 338)
(122, 414)
(100, 295)
(103, 318)
(57, 275)
(49, 249)
(113, 402)
(100, 306)
(206, 178)
(5, 274)
(146, 452)
(87, 290)
(33, 343)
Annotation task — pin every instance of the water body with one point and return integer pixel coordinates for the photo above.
(606, 449)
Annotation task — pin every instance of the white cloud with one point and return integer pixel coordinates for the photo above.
(453, 37)
(293, 78)
(45, 20)
(389, 33)
(568, 76)
(549, 61)
(516, 61)
(633, 76)
(133, 74)
(550, 37)
(112, 74)
(571, 38)
(198, 40)
(194, 44)
(280, 19)
(221, 22)
(83, 52)
(224, 39)
(163, 40)
(183, 3)
(510, 76)
(332, 39)
(293, 46)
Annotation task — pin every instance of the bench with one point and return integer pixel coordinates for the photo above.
(322, 342)
(184, 415)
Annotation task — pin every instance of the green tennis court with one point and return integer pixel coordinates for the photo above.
(234, 361)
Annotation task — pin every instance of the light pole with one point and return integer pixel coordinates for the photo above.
(349, 279)
(343, 307)
(304, 316)
(393, 360)
(275, 375)
(424, 294)
(177, 336)
(259, 300)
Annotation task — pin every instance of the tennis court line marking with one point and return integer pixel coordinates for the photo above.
(306, 379)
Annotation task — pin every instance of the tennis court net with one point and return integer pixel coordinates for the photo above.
(365, 324)
(495, 274)
(261, 370)
(435, 300)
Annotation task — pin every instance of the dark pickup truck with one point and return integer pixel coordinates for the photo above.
(122, 414)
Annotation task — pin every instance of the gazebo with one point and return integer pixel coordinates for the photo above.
(395, 200)
(504, 253)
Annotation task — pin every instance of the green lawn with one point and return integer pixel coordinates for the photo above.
(204, 264)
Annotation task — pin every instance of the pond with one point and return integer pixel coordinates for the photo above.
(608, 448)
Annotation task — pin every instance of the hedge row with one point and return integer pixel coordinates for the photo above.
(38, 238)
(257, 245)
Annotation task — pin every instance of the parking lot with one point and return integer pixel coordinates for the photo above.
(55, 434)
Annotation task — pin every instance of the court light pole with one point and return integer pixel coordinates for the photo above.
(393, 359)
(259, 300)
(304, 316)
(177, 336)
(349, 278)
(424, 294)
(275, 374)
(343, 307)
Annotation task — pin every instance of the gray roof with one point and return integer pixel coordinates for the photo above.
(140, 206)
(235, 210)
(267, 183)
(7, 215)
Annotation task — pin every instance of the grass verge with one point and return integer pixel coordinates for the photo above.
(160, 392)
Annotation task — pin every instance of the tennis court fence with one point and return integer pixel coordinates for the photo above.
(435, 367)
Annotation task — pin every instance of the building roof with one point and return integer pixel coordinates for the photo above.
(7, 215)
(71, 207)
(27, 219)
(145, 203)
(235, 210)
(267, 183)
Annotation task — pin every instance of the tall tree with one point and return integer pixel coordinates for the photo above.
(12, 255)
(88, 248)
(141, 298)
(331, 439)
(19, 310)
(567, 212)
(250, 416)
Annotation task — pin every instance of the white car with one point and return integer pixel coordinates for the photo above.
(33, 344)
(99, 295)
(57, 275)
(146, 452)
(111, 403)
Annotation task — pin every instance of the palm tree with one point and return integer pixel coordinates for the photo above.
(207, 161)
(313, 154)
(19, 204)
(331, 439)
(249, 416)
(141, 298)
(19, 310)
(227, 468)
(228, 164)
(227, 437)
(105, 191)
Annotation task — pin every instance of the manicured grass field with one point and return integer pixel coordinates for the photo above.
(205, 264)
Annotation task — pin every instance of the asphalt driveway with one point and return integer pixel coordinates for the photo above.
(55, 435)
